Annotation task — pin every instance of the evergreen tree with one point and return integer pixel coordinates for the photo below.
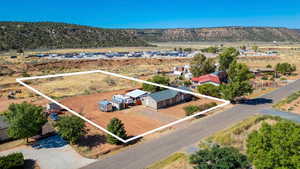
(116, 127)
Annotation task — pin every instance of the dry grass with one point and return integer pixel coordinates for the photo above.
(175, 161)
(236, 135)
(82, 84)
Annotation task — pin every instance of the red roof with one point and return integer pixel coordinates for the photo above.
(207, 78)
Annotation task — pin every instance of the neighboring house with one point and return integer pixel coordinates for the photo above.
(206, 79)
(166, 98)
(105, 106)
(215, 78)
(183, 71)
(3, 129)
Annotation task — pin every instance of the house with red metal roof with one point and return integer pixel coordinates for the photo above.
(214, 78)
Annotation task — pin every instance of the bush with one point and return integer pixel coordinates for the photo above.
(209, 89)
(71, 128)
(191, 109)
(285, 68)
(275, 146)
(219, 157)
(15, 160)
(156, 79)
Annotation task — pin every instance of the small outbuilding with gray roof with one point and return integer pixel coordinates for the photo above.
(166, 98)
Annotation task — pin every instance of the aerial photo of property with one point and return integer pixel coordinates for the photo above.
(149, 84)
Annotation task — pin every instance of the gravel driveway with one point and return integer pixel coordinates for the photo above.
(52, 153)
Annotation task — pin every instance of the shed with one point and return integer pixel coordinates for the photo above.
(105, 106)
(135, 94)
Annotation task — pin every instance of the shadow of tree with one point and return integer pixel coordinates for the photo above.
(92, 140)
(30, 164)
(50, 142)
(256, 101)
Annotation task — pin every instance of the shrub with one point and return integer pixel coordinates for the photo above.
(219, 157)
(191, 109)
(15, 160)
(209, 89)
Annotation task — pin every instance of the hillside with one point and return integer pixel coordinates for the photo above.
(230, 34)
(50, 35)
(18, 35)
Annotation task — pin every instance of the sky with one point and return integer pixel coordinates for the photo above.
(155, 13)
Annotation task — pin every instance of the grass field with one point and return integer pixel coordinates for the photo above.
(175, 161)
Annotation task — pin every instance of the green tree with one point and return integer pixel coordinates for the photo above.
(239, 82)
(156, 79)
(25, 120)
(71, 128)
(255, 48)
(116, 127)
(210, 49)
(243, 47)
(200, 65)
(275, 147)
(218, 157)
(209, 89)
(285, 68)
(239, 72)
(227, 57)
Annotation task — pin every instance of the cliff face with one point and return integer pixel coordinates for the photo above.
(265, 34)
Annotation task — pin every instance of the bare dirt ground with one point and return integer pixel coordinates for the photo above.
(87, 105)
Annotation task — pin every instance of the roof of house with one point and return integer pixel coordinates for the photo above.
(207, 78)
(166, 94)
(136, 93)
(3, 123)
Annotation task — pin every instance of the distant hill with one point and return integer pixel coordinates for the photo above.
(18, 35)
(48, 35)
(230, 34)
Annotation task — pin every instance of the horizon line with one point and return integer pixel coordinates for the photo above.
(204, 27)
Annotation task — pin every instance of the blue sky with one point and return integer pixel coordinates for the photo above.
(156, 13)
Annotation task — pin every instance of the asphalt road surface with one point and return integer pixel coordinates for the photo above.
(143, 155)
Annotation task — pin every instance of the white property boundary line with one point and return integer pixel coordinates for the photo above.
(20, 80)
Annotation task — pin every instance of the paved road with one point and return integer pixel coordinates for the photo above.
(286, 115)
(142, 155)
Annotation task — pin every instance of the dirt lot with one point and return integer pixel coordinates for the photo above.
(137, 119)
(88, 106)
